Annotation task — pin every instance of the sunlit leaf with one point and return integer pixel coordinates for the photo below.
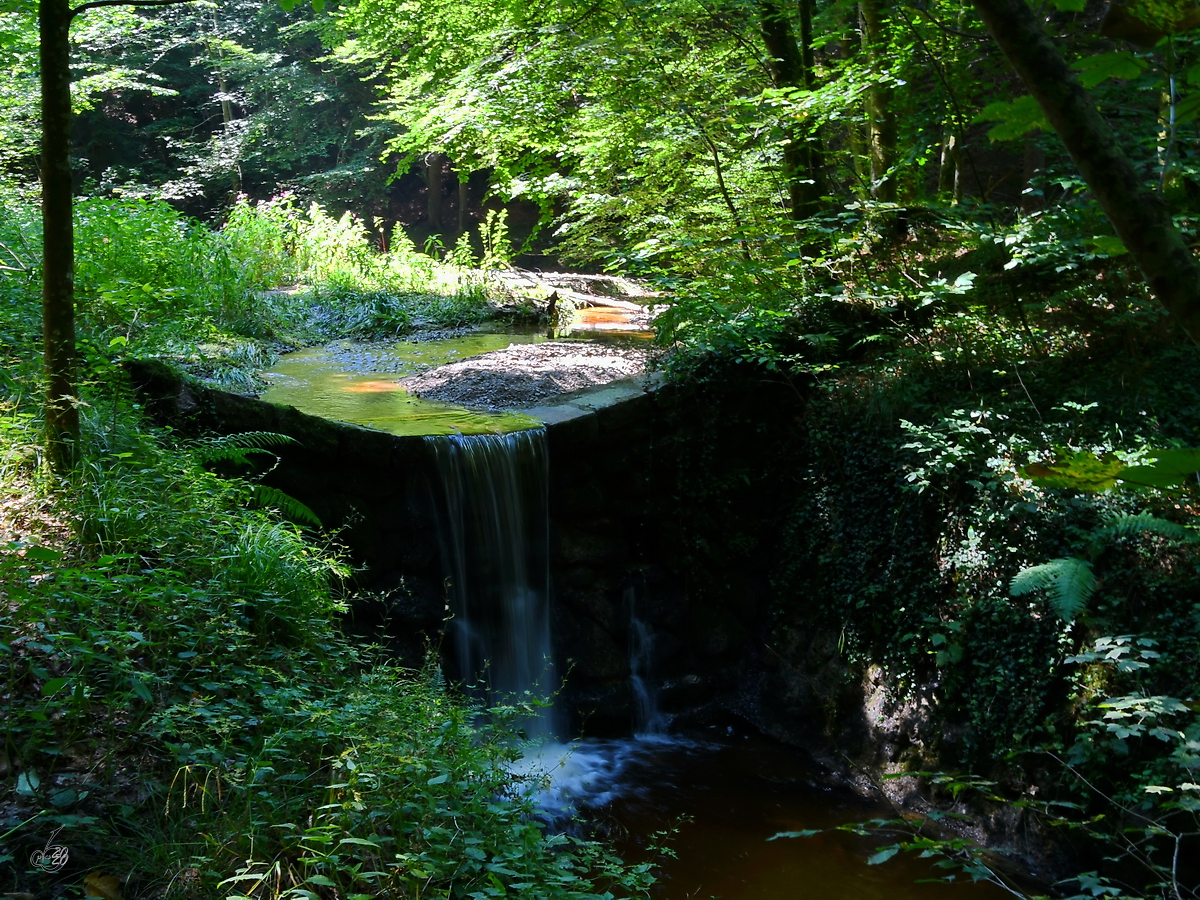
(883, 855)
(1016, 119)
(1121, 64)
(1082, 471)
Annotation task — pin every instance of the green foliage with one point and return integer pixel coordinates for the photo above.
(1085, 471)
(1016, 118)
(265, 495)
(1070, 581)
(186, 631)
(238, 448)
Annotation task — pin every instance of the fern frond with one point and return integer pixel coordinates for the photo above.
(237, 448)
(1143, 523)
(1070, 581)
(264, 495)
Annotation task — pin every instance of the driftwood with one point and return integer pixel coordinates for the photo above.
(554, 283)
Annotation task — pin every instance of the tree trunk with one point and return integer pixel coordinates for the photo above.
(949, 164)
(848, 46)
(881, 122)
(434, 164)
(464, 198)
(789, 68)
(58, 237)
(1139, 216)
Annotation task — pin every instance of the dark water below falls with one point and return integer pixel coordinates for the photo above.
(724, 793)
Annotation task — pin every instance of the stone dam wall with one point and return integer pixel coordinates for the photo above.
(614, 536)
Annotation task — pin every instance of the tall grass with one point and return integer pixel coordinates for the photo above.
(158, 283)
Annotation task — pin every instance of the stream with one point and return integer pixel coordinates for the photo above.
(724, 793)
(721, 793)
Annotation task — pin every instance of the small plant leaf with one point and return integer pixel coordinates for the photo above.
(883, 855)
(1082, 471)
(264, 495)
(1070, 581)
(28, 783)
(97, 885)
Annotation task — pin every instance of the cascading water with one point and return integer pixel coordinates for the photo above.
(495, 541)
(494, 507)
(647, 717)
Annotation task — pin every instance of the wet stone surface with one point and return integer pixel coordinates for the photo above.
(527, 374)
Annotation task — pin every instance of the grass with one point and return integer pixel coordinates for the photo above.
(224, 303)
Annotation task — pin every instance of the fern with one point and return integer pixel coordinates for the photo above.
(264, 495)
(1143, 523)
(1069, 580)
(238, 448)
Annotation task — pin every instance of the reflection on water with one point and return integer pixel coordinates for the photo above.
(607, 319)
(359, 383)
(733, 794)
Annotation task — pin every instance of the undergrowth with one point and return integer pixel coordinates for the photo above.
(912, 382)
(223, 303)
(184, 716)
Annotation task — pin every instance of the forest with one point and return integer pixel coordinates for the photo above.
(961, 234)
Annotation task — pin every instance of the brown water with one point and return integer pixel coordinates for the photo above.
(725, 798)
(359, 382)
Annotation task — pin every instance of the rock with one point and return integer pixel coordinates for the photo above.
(527, 374)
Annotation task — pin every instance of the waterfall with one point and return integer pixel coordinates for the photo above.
(495, 549)
(646, 719)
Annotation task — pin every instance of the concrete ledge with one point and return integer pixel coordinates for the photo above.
(593, 399)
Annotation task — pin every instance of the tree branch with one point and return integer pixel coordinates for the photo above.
(95, 4)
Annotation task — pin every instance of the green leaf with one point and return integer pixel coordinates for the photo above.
(42, 554)
(1107, 245)
(1016, 119)
(1188, 109)
(808, 832)
(1121, 64)
(1069, 580)
(1081, 471)
(1069, 5)
(883, 855)
(141, 690)
(28, 783)
(53, 686)
(264, 495)
(1170, 467)
(1144, 523)
(440, 779)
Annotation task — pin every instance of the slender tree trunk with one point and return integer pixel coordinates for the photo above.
(434, 164)
(789, 69)
(816, 148)
(464, 198)
(1139, 216)
(949, 164)
(881, 120)
(849, 45)
(58, 237)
